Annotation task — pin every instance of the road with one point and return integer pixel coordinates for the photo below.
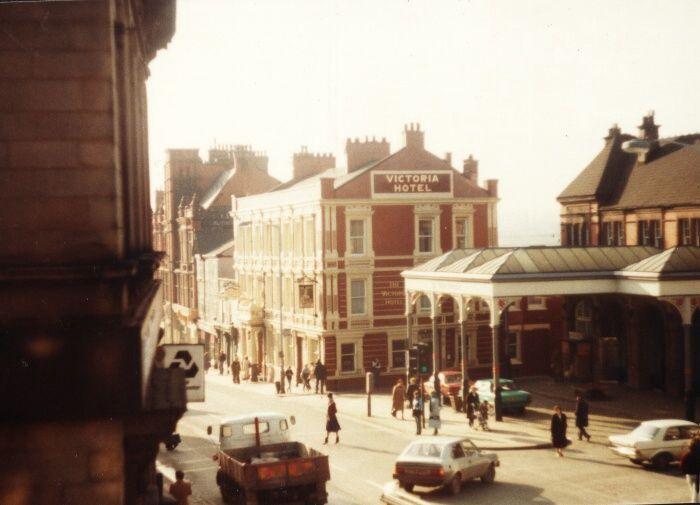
(361, 465)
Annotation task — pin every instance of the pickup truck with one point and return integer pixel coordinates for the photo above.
(258, 464)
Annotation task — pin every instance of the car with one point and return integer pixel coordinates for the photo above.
(659, 442)
(443, 461)
(450, 383)
(512, 398)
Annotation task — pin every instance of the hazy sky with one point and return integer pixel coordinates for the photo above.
(529, 87)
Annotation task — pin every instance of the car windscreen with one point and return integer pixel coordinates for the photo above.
(424, 449)
(645, 432)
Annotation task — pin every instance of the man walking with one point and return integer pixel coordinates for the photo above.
(320, 374)
(236, 370)
(581, 413)
(222, 361)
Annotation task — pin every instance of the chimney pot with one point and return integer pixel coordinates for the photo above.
(414, 137)
(470, 169)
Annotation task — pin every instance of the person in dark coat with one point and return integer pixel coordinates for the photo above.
(690, 466)
(558, 430)
(472, 405)
(410, 390)
(289, 374)
(581, 417)
(236, 370)
(222, 362)
(332, 425)
(320, 375)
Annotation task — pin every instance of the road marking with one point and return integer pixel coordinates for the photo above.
(167, 471)
(372, 483)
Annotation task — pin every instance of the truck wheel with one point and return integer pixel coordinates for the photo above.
(661, 461)
(489, 476)
(231, 493)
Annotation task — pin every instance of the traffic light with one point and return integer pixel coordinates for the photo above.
(424, 358)
(413, 361)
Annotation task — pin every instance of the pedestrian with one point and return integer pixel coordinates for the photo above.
(245, 367)
(306, 377)
(222, 360)
(417, 410)
(181, 488)
(320, 375)
(483, 416)
(472, 405)
(434, 420)
(332, 425)
(398, 398)
(558, 431)
(289, 374)
(236, 370)
(412, 388)
(581, 413)
(690, 466)
(207, 362)
(376, 368)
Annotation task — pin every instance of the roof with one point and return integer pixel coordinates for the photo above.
(665, 423)
(222, 250)
(250, 418)
(670, 176)
(679, 259)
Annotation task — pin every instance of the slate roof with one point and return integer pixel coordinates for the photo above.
(616, 180)
(679, 259)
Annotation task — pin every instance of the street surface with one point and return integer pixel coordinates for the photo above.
(361, 465)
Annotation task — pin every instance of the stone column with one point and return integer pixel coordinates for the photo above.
(464, 357)
(495, 329)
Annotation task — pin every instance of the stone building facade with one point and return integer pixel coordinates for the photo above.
(326, 249)
(193, 218)
(79, 320)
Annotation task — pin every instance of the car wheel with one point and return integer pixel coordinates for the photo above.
(407, 487)
(456, 484)
(661, 461)
(489, 476)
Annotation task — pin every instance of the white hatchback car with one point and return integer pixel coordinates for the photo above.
(443, 461)
(660, 442)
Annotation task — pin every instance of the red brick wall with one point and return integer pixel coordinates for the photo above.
(329, 357)
(374, 345)
(392, 230)
(340, 234)
(483, 344)
(389, 298)
(342, 296)
(481, 232)
(446, 227)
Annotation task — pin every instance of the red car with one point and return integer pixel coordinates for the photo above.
(450, 383)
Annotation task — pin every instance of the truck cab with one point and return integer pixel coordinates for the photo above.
(239, 432)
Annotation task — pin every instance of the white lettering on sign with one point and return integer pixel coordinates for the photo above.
(412, 183)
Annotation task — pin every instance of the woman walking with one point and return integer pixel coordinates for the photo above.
(332, 425)
(558, 431)
(417, 410)
(434, 420)
(398, 398)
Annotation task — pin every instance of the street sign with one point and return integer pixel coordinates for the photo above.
(189, 357)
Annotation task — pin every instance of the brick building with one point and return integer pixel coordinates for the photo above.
(192, 217)
(345, 236)
(84, 408)
(638, 190)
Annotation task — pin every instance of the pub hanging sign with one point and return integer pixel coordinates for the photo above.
(416, 183)
(306, 296)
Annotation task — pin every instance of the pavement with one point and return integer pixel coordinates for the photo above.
(361, 465)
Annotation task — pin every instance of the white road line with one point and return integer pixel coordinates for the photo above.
(372, 483)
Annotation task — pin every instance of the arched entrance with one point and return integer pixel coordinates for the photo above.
(652, 340)
(613, 342)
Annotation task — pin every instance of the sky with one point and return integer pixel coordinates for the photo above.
(529, 88)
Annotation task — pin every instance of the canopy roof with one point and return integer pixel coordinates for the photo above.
(531, 271)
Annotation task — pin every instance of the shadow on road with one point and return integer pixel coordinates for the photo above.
(476, 492)
(370, 449)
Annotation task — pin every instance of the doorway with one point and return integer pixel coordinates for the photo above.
(652, 339)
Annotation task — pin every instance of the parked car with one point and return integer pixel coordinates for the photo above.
(443, 461)
(659, 442)
(450, 383)
(512, 398)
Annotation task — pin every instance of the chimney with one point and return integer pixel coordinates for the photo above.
(414, 137)
(448, 158)
(492, 187)
(470, 169)
(307, 164)
(361, 153)
(613, 132)
(649, 130)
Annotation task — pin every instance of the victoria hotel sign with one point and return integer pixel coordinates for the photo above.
(429, 183)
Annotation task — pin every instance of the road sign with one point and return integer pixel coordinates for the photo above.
(189, 357)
